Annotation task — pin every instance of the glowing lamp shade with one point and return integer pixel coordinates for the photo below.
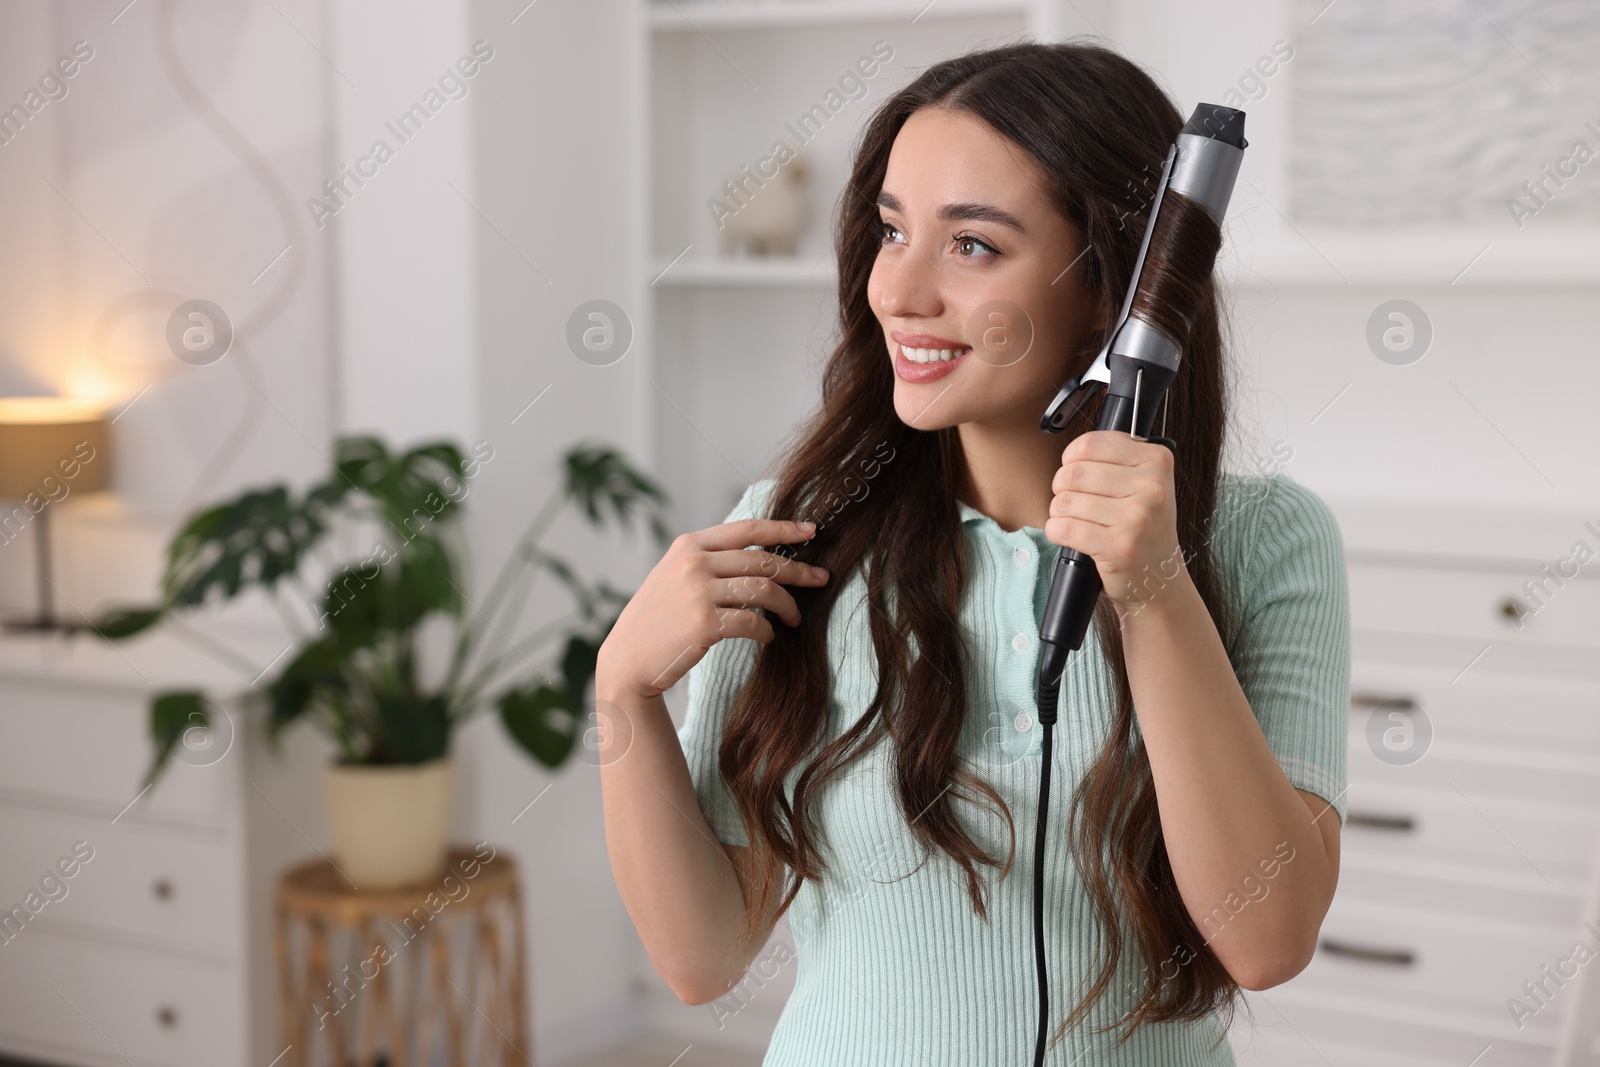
(45, 437)
(50, 448)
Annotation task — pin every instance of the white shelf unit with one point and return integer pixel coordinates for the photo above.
(717, 84)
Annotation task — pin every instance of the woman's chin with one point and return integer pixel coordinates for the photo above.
(935, 407)
(925, 407)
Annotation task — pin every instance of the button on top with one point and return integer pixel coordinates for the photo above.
(1021, 642)
(1022, 556)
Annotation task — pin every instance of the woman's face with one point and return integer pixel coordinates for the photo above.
(980, 311)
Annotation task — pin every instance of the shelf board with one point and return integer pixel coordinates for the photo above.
(1461, 259)
(695, 15)
(798, 272)
(1328, 260)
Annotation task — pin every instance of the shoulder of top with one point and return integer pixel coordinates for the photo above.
(755, 501)
(1248, 504)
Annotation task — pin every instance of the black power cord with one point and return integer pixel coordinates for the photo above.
(1052, 659)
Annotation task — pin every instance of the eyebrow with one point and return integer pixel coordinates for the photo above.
(952, 212)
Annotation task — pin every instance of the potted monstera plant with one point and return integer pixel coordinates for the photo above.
(354, 669)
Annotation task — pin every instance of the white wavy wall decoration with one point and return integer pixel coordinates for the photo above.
(1429, 113)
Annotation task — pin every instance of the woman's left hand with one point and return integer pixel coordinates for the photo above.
(1114, 501)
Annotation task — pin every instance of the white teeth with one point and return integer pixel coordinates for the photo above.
(932, 355)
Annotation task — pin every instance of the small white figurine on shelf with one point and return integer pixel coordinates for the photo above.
(767, 213)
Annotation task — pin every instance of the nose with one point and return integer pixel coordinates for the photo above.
(909, 286)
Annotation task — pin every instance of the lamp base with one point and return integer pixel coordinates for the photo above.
(45, 620)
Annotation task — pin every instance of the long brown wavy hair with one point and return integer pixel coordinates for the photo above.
(1098, 127)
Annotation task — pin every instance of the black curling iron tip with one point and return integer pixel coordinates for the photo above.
(1225, 124)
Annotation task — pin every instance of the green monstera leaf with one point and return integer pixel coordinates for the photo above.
(364, 604)
(412, 490)
(171, 716)
(257, 539)
(601, 479)
(125, 622)
(544, 720)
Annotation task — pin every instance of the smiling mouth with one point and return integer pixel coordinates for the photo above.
(933, 355)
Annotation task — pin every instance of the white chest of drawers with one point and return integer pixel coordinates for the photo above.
(1468, 858)
(154, 950)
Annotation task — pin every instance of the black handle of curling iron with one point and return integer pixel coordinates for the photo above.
(1076, 586)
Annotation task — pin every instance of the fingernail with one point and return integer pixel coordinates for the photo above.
(807, 527)
(819, 573)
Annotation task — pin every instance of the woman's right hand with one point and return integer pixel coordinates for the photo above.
(705, 588)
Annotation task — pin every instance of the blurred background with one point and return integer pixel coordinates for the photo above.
(353, 356)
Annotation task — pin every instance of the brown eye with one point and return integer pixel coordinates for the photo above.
(967, 242)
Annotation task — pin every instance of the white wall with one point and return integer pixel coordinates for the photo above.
(406, 234)
(551, 155)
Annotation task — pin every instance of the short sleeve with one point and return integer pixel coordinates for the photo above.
(1292, 656)
(713, 684)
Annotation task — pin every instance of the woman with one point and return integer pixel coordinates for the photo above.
(878, 742)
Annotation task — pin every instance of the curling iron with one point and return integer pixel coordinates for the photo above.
(1133, 370)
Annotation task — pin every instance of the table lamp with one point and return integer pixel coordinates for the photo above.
(51, 447)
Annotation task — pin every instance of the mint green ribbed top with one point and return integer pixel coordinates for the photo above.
(894, 969)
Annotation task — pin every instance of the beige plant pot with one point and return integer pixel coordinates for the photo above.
(389, 824)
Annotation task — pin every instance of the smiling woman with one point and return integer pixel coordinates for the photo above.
(984, 229)
(848, 760)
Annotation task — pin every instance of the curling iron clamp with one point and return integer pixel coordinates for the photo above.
(1132, 372)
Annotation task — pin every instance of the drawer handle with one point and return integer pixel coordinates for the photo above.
(1374, 820)
(167, 1016)
(1390, 957)
(162, 889)
(1380, 700)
